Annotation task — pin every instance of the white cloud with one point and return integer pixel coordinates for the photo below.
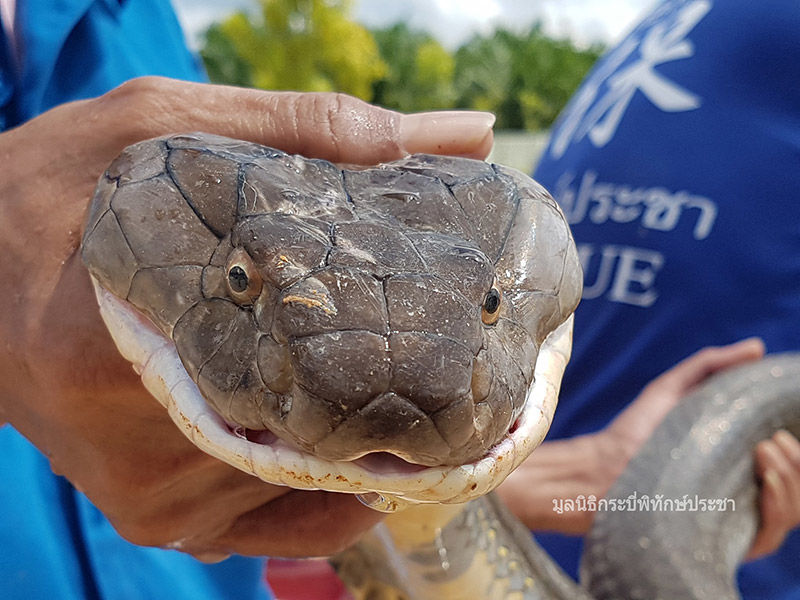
(453, 22)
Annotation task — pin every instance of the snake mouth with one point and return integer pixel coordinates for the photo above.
(155, 358)
(379, 463)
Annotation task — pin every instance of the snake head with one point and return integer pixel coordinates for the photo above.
(397, 309)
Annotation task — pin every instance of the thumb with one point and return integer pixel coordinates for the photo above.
(637, 422)
(695, 369)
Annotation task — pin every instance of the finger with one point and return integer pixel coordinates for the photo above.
(770, 535)
(695, 369)
(773, 501)
(205, 556)
(299, 524)
(211, 558)
(772, 458)
(184, 513)
(333, 126)
(209, 508)
(790, 446)
(785, 461)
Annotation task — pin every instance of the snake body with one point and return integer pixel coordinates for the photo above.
(700, 461)
(398, 332)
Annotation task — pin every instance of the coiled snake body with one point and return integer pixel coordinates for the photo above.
(397, 332)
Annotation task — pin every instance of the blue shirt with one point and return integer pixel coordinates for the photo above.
(53, 542)
(677, 163)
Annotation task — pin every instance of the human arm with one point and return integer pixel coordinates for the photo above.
(63, 384)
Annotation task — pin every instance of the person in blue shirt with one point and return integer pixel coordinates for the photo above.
(99, 487)
(676, 163)
(130, 485)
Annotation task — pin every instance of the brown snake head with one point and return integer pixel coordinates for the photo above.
(394, 309)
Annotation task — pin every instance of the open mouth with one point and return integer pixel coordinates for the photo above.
(264, 455)
(379, 463)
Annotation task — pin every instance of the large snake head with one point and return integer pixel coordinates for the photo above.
(394, 309)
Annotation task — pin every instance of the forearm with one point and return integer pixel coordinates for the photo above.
(62, 382)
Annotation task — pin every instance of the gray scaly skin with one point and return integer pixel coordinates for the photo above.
(269, 271)
(396, 309)
(700, 455)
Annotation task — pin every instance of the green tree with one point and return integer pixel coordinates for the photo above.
(304, 45)
(222, 62)
(483, 75)
(420, 71)
(525, 79)
(313, 45)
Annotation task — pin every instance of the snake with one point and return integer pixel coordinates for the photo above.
(398, 332)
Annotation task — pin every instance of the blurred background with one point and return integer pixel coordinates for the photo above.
(520, 59)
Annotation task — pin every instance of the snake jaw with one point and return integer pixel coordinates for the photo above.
(255, 273)
(155, 357)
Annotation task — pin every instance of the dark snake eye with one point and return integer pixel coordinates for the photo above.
(244, 281)
(491, 306)
(237, 279)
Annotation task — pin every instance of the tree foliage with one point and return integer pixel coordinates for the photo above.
(307, 45)
(313, 45)
(420, 73)
(525, 79)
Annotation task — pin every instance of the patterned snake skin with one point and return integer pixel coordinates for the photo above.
(390, 318)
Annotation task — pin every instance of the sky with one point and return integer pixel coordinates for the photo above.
(453, 22)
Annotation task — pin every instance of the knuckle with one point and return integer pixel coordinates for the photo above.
(317, 109)
(155, 525)
(138, 89)
(708, 355)
(331, 125)
(132, 109)
(783, 469)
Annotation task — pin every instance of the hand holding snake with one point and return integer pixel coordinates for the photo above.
(64, 385)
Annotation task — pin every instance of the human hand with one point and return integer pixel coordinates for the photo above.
(62, 382)
(778, 468)
(777, 459)
(590, 464)
(634, 426)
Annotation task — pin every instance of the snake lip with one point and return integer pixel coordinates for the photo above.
(377, 462)
(385, 463)
(155, 357)
(380, 463)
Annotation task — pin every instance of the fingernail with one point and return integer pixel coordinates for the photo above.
(790, 445)
(785, 435)
(772, 479)
(446, 132)
(211, 558)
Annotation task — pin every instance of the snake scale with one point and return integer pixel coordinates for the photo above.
(399, 332)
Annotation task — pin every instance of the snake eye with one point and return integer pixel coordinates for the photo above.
(244, 281)
(491, 306)
(237, 279)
